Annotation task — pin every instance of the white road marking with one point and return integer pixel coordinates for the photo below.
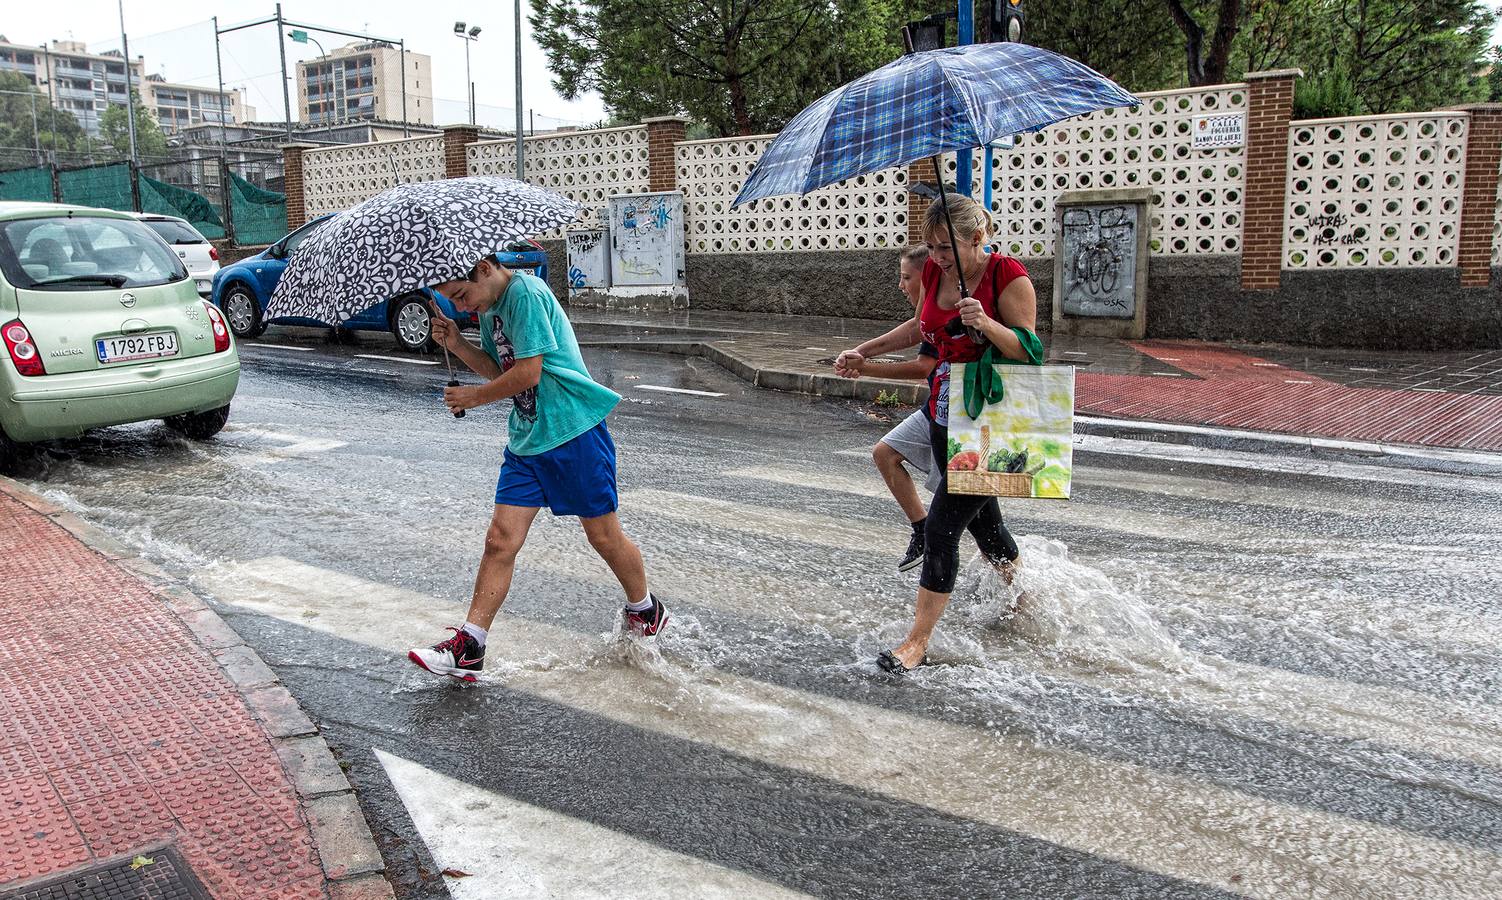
(277, 347)
(295, 446)
(673, 390)
(511, 848)
(1075, 353)
(401, 359)
(1363, 369)
(1268, 365)
(1166, 823)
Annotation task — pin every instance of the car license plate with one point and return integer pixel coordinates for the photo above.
(136, 346)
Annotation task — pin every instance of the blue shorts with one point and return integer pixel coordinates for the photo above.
(572, 479)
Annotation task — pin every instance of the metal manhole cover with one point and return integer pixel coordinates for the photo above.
(166, 878)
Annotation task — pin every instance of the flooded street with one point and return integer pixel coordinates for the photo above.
(1231, 673)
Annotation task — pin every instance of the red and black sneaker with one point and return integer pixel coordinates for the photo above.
(650, 620)
(461, 656)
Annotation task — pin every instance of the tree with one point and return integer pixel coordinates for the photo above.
(738, 66)
(114, 128)
(20, 133)
(1207, 64)
(1121, 39)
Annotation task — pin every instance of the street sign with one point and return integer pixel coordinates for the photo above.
(1224, 130)
(298, 35)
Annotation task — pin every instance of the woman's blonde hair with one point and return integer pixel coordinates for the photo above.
(967, 215)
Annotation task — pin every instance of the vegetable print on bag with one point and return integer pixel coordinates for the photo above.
(1020, 445)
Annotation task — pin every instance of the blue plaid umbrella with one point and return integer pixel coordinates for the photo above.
(927, 103)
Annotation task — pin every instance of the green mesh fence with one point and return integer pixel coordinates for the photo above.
(170, 200)
(107, 187)
(260, 215)
(27, 184)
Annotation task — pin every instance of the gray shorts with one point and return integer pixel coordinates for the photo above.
(910, 438)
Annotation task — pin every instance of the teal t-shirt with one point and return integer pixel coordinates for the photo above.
(528, 321)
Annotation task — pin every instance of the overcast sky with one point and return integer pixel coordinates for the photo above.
(177, 40)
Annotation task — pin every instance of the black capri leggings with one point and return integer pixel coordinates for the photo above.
(951, 514)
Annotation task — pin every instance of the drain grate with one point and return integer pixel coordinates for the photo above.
(167, 878)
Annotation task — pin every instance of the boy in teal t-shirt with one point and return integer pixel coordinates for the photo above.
(560, 454)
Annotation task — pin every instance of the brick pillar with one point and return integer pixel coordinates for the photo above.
(917, 173)
(292, 183)
(1483, 154)
(455, 139)
(1269, 110)
(663, 135)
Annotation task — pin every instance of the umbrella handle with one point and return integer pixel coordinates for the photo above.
(954, 243)
(454, 382)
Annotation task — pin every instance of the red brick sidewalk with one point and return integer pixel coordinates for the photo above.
(1215, 385)
(123, 731)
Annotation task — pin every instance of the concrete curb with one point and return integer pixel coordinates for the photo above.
(351, 862)
(909, 393)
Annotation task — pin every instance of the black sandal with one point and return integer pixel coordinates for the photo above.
(888, 661)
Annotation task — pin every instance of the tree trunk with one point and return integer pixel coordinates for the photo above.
(1207, 67)
(738, 106)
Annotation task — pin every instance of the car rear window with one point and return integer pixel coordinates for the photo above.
(83, 253)
(175, 232)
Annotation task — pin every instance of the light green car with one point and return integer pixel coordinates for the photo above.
(102, 325)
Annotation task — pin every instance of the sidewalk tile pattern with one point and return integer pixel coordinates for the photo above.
(125, 733)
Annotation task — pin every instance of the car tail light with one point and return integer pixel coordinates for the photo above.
(22, 351)
(221, 330)
(213, 253)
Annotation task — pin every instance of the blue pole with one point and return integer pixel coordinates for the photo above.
(962, 161)
(985, 172)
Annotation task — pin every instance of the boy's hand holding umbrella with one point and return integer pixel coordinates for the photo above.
(446, 334)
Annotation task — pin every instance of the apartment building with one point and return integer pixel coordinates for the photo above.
(179, 106)
(364, 81)
(86, 84)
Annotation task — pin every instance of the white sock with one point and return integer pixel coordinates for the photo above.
(641, 605)
(475, 632)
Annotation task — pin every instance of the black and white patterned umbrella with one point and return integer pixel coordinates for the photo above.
(409, 237)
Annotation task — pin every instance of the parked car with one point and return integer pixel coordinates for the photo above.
(102, 326)
(244, 288)
(191, 247)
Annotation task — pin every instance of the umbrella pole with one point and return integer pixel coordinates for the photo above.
(453, 382)
(954, 242)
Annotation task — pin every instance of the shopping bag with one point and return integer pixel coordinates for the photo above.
(1015, 436)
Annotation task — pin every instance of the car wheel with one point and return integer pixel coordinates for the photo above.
(199, 426)
(10, 451)
(243, 313)
(412, 324)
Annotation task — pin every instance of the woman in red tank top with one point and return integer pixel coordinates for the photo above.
(1001, 299)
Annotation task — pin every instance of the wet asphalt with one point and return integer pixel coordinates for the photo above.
(1212, 637)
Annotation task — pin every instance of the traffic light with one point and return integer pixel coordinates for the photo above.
(1005, 21)
(928, 34)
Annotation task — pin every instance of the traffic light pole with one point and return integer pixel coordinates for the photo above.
(962, 159)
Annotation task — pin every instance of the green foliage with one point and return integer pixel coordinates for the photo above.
(737, 67)
(114, 128)
(888, 398)
(16, 123)
(1326, 95)
(1121, 39)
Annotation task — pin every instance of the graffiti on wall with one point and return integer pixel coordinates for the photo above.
(1100, 261)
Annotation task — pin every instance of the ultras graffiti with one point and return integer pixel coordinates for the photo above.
(1100, 260)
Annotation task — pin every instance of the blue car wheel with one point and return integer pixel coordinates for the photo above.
(243, 312)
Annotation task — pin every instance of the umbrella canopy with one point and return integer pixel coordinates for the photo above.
(410, 237)
(922, 104)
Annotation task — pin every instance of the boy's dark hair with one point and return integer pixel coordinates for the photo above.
(493, 259)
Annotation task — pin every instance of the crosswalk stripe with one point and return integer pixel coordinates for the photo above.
(1293, 699)
(1206, 833)
(511, 848)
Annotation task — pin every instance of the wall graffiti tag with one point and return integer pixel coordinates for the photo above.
(642, 236)
(588, 261)
(1100, 260)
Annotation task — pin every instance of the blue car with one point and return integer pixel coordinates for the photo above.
(244, 288)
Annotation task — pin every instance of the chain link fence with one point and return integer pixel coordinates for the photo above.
(221, 199)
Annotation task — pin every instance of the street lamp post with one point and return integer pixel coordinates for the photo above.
(469, 37)
(521, 167)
